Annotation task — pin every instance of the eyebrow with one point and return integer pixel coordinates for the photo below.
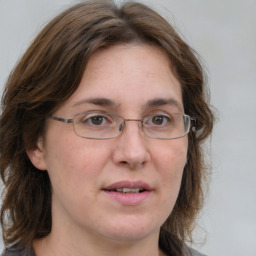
(161, 101)
(105, 102)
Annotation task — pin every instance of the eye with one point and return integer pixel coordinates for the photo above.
(95, 119)
(158, 120)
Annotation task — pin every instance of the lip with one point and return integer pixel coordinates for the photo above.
(129, 199)
(129, 184)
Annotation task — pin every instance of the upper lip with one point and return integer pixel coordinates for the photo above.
(129, 184)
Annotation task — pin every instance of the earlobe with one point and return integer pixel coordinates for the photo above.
(37, 156)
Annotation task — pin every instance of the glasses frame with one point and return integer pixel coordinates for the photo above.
(69, 121)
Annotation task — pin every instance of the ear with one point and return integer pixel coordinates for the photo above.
(37, 155)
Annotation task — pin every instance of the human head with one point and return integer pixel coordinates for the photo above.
(50, 72)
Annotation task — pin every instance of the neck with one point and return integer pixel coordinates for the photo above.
(55, 246)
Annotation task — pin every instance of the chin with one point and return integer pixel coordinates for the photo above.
(129, 231)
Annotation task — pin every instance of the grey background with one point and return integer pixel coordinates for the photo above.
(224, 33)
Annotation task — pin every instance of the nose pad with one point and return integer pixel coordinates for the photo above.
(121, 127)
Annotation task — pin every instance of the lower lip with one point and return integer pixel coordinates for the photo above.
(129, 198)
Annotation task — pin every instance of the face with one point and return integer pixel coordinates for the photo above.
(132, 81)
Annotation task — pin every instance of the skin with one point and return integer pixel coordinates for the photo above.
(86, 221)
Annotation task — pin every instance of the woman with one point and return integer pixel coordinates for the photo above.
(101, 130)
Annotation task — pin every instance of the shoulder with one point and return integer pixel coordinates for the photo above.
(16, 251)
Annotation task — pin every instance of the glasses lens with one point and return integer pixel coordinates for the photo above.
(166, 126)
(94, 125)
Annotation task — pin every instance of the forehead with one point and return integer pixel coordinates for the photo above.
(141, 60)
(128, 75)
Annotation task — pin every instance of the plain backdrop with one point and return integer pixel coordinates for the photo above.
(224, 33)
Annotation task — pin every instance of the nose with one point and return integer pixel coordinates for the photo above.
(131, 149)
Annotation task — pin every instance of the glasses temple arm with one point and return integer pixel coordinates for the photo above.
(67, 121)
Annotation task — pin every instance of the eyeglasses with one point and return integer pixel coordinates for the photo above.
(103, 126)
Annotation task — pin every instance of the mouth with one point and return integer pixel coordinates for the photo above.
(128, 187)
(129, 192)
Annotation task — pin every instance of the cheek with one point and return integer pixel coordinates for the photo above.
(170, 160)
(171, 156)
(75, 161)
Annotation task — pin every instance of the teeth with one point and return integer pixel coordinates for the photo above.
(128, 190)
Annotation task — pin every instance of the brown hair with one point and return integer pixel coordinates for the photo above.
(49, 73)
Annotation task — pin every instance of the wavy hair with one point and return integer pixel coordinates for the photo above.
(50, 72)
